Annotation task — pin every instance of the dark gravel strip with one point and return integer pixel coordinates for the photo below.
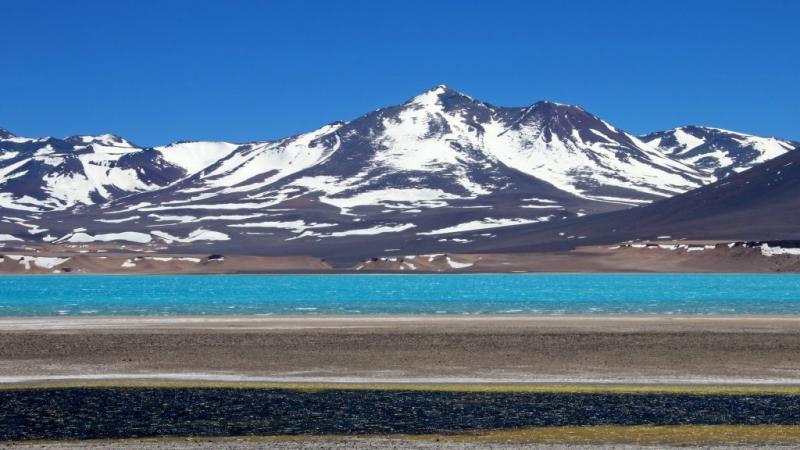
(89, 413)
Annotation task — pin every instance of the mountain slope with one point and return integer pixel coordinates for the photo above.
(56, 174)
(438, 162)
(759, 204)
(443, 145)
(715, 151)
(50, 174)
(441, 170)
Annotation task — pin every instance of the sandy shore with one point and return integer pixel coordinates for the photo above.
(414, 349)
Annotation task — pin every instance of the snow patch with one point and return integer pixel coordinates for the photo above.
(199, 234)
(45, 262)
(295, 226)
(124, 219)
(457, 264)
(130, 236)
(393, 197)
(484, 224)
(374, 230)
(766, 250)
(195, 156)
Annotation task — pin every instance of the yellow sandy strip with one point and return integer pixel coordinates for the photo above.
(496, 388)
(677, 435)
(642, 435)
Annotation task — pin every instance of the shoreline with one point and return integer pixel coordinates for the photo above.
(667, 256)
(656, 350)
(373, 273)
(416, 316)
(597, 437)
(177, 322)
(688, 385)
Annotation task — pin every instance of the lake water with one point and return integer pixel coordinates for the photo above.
(399, 294)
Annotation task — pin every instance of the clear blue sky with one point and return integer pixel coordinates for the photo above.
(159, 71)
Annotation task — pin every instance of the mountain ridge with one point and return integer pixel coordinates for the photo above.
(759, 204)
(412, 172)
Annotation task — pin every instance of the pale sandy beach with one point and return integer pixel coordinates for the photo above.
(759, 350)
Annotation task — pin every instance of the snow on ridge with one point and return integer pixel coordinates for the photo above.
(768, 148)
(196, 156)
(6, 173)
(295, 226)
(121, 220)
(415, 140)
(105, 139)
(130, 236)
(567, 161)
(199, 234)
(686, 141)
(272, 161)
(619, 200)
(429, 98)
(177, 219)
(206, 206)
(107, 144)
(378, 229)
(100, 177)
(487, 222)
(22, 140)
(716, 151)
(191, 219)
(538, 200)
(391, 197)
(96, 173)
(721, 130)
(402, 148)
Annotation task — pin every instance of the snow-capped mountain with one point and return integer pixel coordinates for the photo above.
(438, 164)
(756, 205)
(715, 151)
(51, 174)
(442, 147)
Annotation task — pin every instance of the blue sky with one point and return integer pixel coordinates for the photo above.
(159, 71)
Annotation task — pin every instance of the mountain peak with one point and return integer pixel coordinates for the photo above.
(107, 139)
(717, 151)
(440, 89)
(703, 131)
(440, 95)
(556, 106)
(5, 134)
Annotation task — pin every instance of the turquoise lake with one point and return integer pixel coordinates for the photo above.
(399, 294)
